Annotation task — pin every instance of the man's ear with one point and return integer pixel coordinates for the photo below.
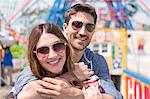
(65, 29)
(65, 26)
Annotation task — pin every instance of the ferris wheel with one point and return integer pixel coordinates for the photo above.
(18, 17)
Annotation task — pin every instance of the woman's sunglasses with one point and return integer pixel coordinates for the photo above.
(57, 47)
(78, 25)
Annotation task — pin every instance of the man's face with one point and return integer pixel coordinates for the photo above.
(79, 37)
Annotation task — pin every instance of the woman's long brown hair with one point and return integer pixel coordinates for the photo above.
(35, 66)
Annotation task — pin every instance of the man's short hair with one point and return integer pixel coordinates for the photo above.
(80, 8)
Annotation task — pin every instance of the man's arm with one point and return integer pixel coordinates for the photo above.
(27, 76)
(24, 77)
(105, 78)
(29, 92)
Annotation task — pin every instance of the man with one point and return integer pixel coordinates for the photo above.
(79, 27)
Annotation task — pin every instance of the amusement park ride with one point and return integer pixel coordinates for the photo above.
(118, 19)
(55, 14)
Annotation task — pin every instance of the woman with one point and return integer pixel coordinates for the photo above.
(49, 56)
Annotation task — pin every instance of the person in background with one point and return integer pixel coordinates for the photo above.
(8, 64)
(79, 27)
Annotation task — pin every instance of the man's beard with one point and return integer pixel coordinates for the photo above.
(78, 49)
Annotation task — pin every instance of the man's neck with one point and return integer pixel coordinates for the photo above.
(76, 55)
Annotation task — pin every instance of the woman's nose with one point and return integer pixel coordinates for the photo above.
(52, 54)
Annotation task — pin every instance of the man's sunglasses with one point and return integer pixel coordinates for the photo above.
(57, 47)
(78, 25)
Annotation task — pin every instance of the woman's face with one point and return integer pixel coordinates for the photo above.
(51, 53)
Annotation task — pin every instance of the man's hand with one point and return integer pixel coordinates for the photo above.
(91, 93)
(82, 71)
(58, 88)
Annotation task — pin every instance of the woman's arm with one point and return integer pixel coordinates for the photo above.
(65, 90)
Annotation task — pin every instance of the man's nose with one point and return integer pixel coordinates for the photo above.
(82, 31)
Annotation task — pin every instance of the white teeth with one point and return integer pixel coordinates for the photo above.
(82, 38)
(53, 62)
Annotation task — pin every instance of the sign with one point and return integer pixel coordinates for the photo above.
(134, 86)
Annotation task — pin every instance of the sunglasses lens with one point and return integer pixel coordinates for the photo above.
(59, 47)
(76, 24)
(90, 27)
(43, 50)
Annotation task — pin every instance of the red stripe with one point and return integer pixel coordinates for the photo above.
(90, 82)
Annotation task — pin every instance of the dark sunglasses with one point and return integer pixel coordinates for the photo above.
(57, 47)
(78, 25)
